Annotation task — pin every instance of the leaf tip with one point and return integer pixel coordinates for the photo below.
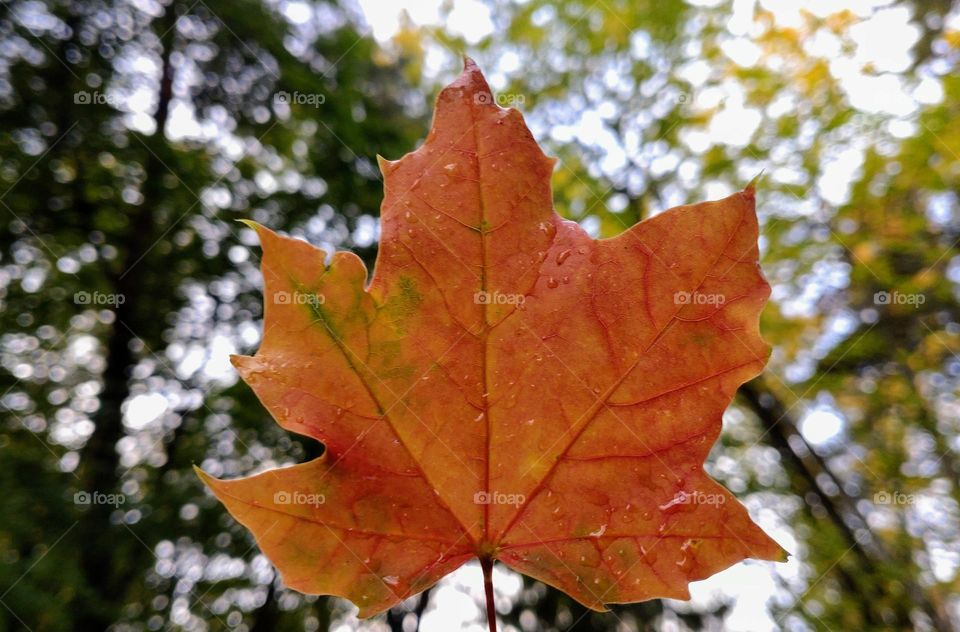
(203, 476)
(751, 187)
(386, 166)
(473, 83)
(242, 364)
(249, 223)
(257, 227)
(783, 555)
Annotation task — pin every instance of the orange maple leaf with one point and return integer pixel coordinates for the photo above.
(506, 388)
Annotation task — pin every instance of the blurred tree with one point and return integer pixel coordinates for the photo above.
(134, 133)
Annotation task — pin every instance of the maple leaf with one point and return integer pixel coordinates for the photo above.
(507, 388)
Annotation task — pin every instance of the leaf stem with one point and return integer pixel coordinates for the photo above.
(486, 563)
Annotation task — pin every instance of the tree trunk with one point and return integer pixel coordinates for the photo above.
(106, 572)
(780, 427)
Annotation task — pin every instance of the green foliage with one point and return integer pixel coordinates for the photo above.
(98, 203)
